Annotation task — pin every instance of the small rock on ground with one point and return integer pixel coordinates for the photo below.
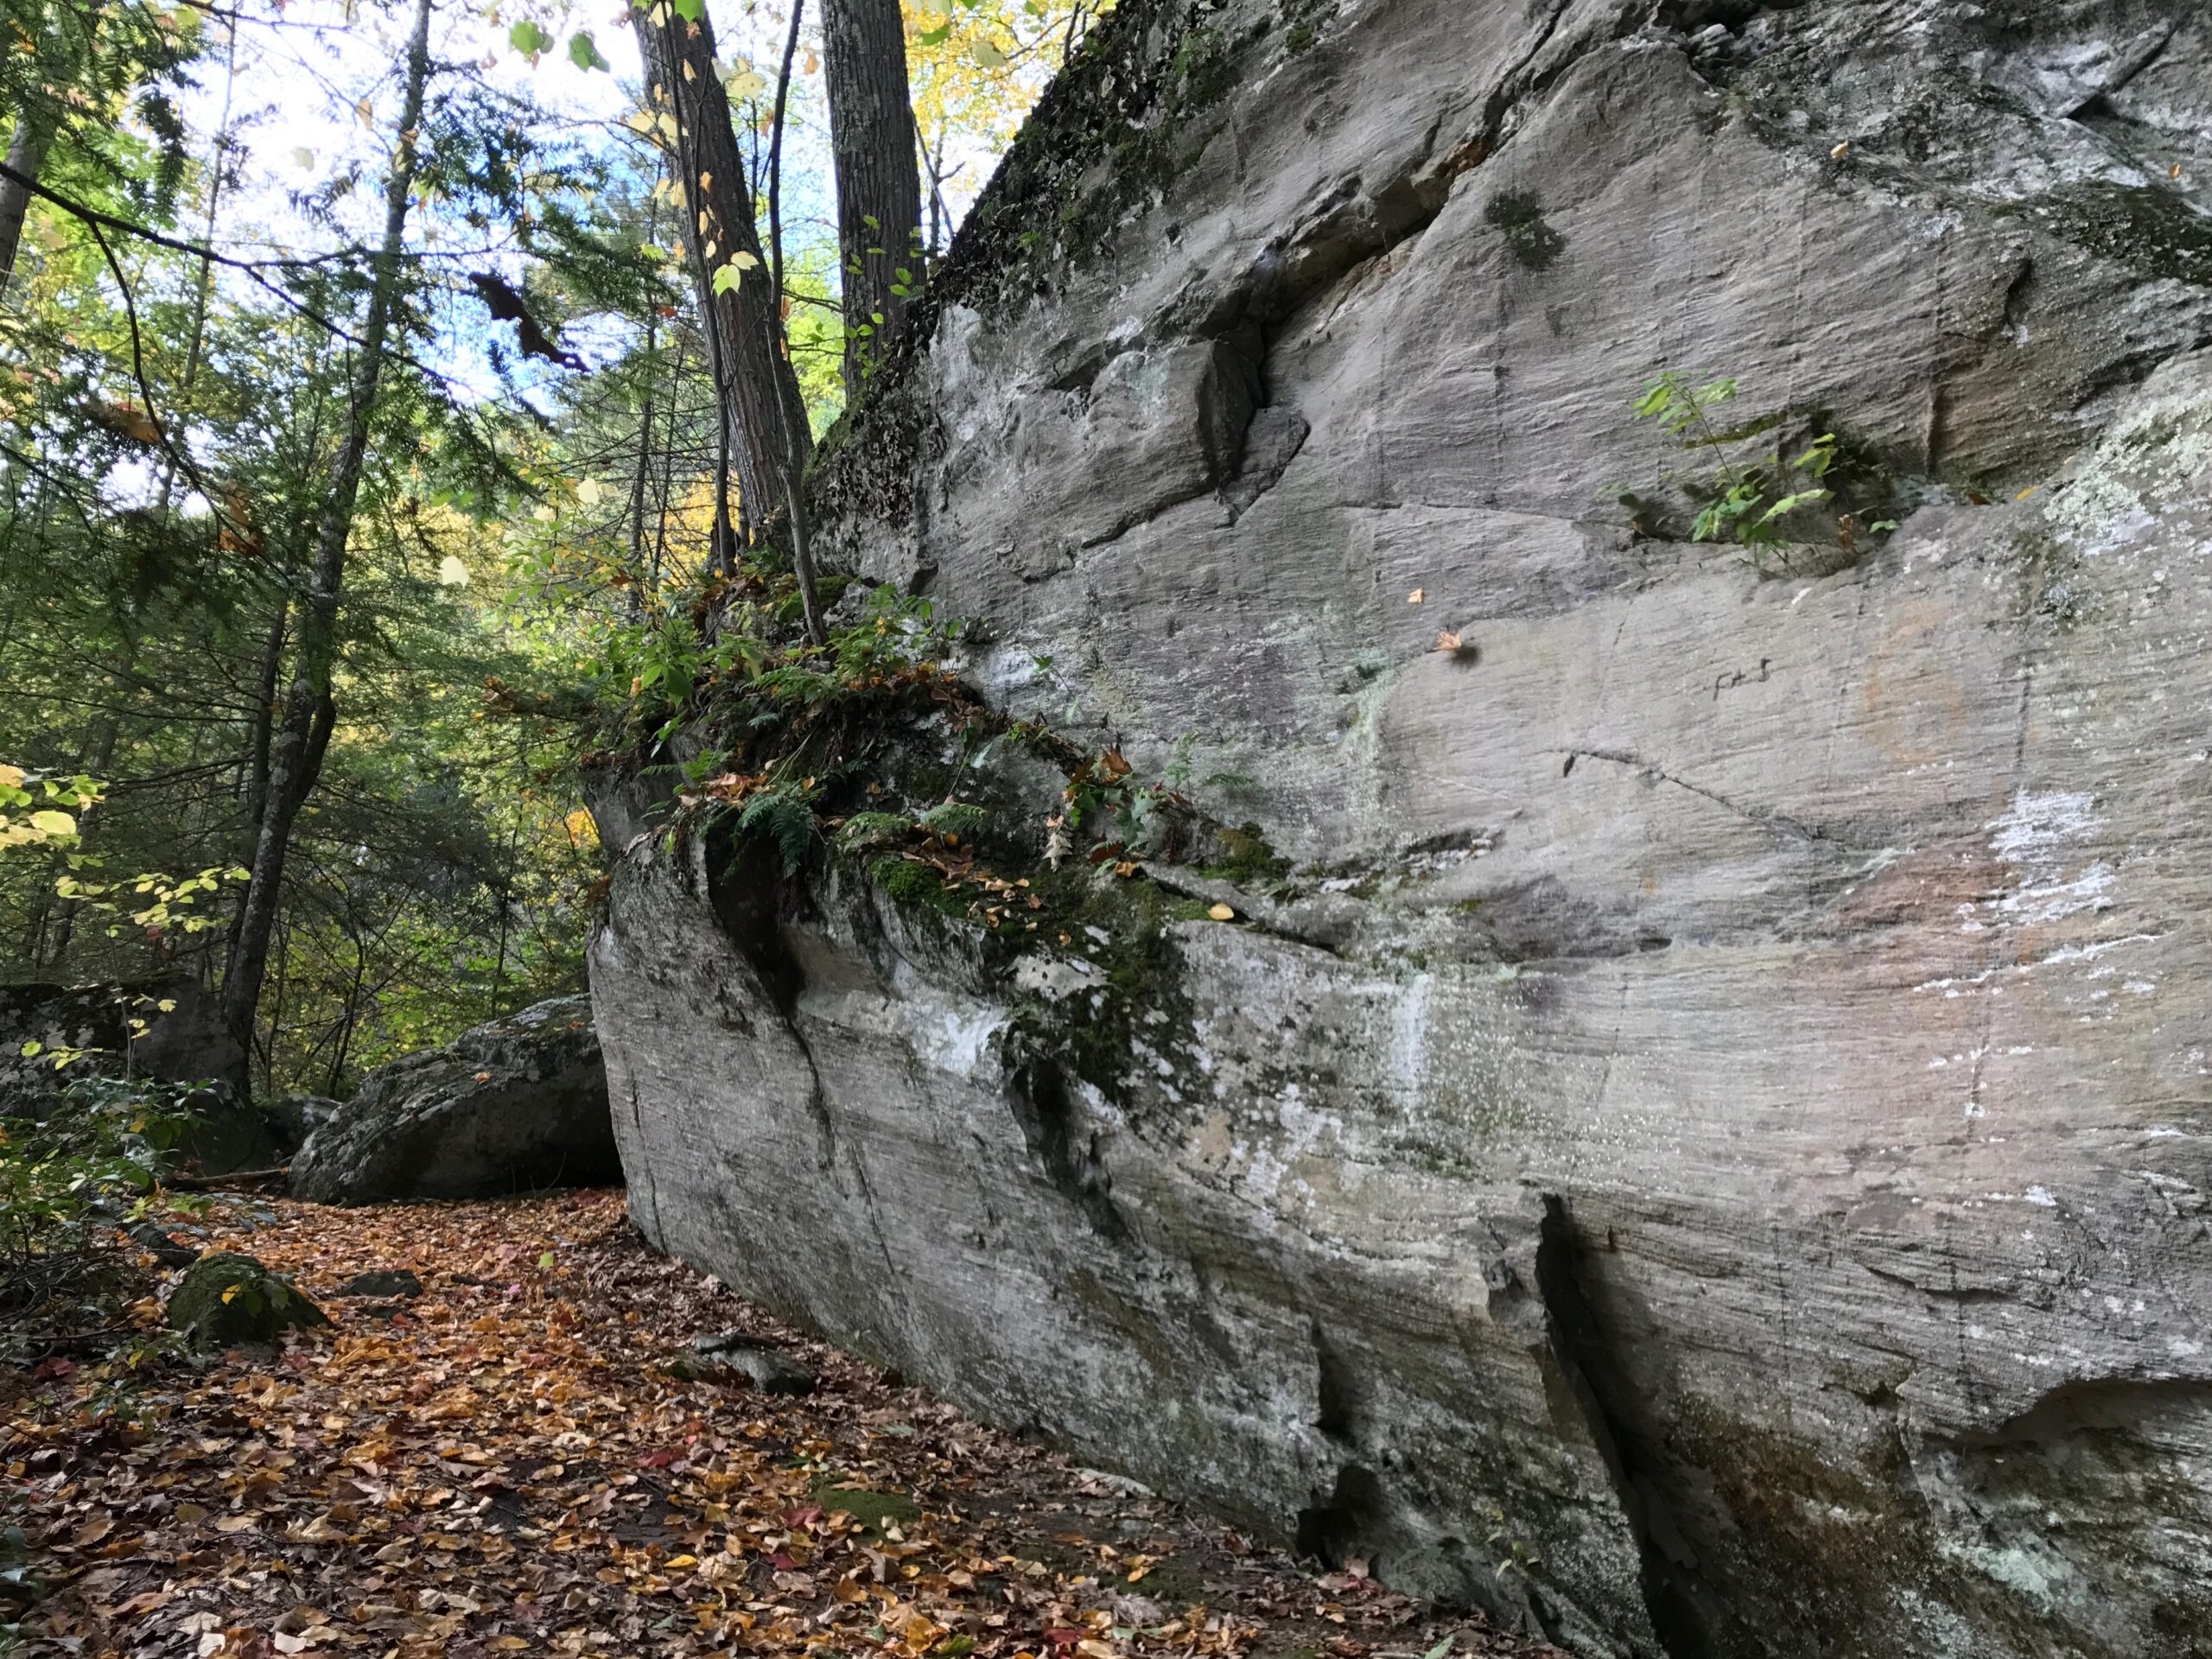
(386, 1282)
(226, 1299)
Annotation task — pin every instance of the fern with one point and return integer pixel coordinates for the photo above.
(956, 818)
(785, 818)
(804, 685)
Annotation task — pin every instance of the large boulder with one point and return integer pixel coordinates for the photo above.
(514, 1105)
(163, 1029)
(1712, 1154)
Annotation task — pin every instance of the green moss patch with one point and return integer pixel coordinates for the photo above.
(877, 1511)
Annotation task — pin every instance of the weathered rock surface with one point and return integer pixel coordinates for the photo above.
(1718, 1164)
(514, 1105)
(730, 1357)
(294, 1118)
(225, 1298)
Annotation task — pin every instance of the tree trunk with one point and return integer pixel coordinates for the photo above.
(765, 414)
(879, 187)
(26, 156)
(296, 752)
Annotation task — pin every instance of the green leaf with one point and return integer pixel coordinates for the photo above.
(583, 52)
(937, 37)
(1791, 502)
(545, 1260)
(527, 36)
(689, 10)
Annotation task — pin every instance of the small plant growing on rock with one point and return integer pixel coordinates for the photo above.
(1751, 487)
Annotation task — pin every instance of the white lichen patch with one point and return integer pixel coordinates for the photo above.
(2159, 458)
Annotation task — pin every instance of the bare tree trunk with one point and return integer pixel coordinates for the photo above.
(767, 416)
(26, 156)
(296, 751)
(879, 187)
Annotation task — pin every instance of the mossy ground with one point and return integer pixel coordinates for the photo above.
(877, 1511)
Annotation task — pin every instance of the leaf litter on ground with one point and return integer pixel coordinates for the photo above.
(503, 1462)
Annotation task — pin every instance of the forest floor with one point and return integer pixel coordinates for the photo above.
(500, 1465)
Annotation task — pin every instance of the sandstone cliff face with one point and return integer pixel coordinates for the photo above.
(1709, 1155)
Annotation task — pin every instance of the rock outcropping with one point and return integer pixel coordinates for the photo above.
(1708, 1155)
(513, 1105)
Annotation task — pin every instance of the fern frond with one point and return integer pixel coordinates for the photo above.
(785, 819)
(956, 818)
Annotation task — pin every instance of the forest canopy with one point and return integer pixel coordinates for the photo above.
(387, 391)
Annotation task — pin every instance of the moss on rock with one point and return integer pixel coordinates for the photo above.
(226, 1299)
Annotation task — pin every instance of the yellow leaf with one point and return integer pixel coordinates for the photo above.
(56, 826)
(508, 1643)
(11, 777)
(813, 62)
(1416, 596)
(1221, 913)
(589, 491)
(987, 55)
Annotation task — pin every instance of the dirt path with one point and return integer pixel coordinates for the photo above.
(499, 1465)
